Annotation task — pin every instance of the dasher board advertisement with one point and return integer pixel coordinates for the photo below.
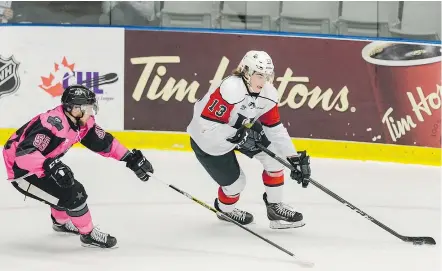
(38, 63)
(343, 90)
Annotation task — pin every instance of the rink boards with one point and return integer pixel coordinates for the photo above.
(351, 107)
(317, 148)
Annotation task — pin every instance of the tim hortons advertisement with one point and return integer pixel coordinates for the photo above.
(362, 91)
(38, 63)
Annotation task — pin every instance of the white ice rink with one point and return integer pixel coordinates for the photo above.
(159, 229)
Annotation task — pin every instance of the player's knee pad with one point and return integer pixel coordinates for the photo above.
(269, 164)
(76, 197)
(237, 187)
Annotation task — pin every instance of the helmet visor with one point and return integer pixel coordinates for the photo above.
(89, 109)
(270, 77)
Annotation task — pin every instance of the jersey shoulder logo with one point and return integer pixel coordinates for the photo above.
(56, 122)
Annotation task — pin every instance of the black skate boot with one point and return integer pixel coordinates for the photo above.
(281, 216)
(238, 215)
(97, 238)
(68, 227)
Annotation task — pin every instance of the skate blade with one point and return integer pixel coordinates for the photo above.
(227, 221)
(97, 247)
(61, 232)
(251, 223)
(281, 224)
(64, 233)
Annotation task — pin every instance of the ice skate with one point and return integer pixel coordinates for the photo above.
(281, 216)
(68, 227)
(97, 238)
(238, 215)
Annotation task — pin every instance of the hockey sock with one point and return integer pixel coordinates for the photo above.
(60, 216)
(81, 218)
(274, 183)
(226, 202)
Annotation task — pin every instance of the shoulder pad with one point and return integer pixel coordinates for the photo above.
(270, 92)
(90, 122)
(233, 90)
(53, 119)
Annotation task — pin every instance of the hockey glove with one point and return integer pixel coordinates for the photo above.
(59, 172)
(136, 161)
(247, 138)
(302, 170)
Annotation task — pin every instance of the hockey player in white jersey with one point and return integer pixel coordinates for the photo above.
(219, 126)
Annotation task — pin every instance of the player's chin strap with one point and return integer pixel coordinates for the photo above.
(410, 239)
(77, 119)
(297, 261)
(246, 81)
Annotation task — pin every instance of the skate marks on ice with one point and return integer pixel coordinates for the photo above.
(45, 252)
(226, 256)
(199, 240)
(169, 232)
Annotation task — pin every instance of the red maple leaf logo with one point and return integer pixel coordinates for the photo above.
(53, 84)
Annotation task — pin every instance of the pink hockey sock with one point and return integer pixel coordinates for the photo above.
(83, 223)
(60, 216)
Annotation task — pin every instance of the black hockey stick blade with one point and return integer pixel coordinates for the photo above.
(418, 241)
(410, 239)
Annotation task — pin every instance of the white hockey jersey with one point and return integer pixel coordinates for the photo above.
(223, 110)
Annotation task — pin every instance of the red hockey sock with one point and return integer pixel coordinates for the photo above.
(274, 183)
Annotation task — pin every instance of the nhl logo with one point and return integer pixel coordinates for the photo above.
(9, 79)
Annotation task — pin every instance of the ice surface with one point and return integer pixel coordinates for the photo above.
(159, 229)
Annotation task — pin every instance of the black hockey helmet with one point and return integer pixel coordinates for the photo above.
(79, 96)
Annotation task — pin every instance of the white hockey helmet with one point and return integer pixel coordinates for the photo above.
(257, 61)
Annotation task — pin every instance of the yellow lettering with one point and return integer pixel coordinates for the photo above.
(300, 90)
(385, 120)
(298, 95)
(404, 125)
(180, 89)
(219, 75)
(285, 80)
(343, 98)
(317, 96)
(149, 63)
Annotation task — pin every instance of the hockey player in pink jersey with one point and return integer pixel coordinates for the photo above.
(218, 128)
(32, 158)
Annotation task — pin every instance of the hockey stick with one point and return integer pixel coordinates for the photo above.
(415, 240)
(297, 261)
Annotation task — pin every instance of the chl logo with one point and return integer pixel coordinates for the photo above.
(65, 74)
(9, 79)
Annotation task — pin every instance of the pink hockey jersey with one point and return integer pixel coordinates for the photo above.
(50, 135)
